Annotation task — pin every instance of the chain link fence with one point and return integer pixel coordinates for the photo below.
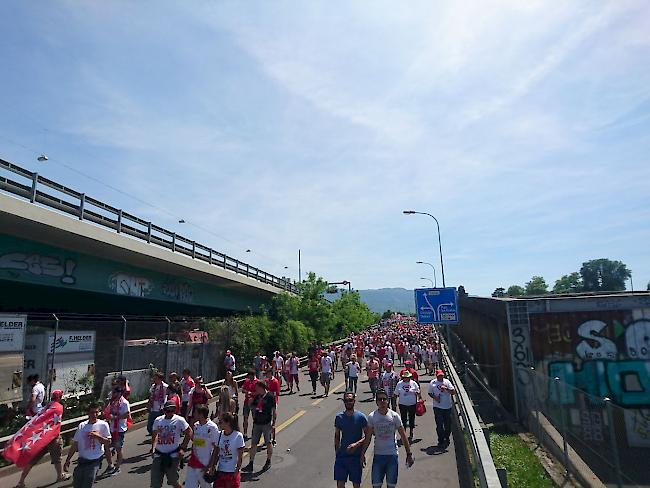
(603, 434)
(83, 354)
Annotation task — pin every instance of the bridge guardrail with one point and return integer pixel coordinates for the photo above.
(485, 468)
(79, 205)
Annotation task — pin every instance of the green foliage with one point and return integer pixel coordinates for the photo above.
(604, 275)
(571, 283)
(388, 314)
(293, 322)
(499, 292)
(523, 467)
(351, 314)
(536, 286)
(515, 291)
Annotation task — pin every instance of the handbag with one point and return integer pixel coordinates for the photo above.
(212, 477)
(420, 408)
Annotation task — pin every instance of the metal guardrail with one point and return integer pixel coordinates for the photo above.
(485, 468)
(68, 426)
(35, 189)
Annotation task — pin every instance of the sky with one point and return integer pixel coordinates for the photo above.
(524, 127)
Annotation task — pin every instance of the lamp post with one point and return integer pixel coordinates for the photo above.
(344, 282)
(435, 278)
(429, 279)
(442, 265)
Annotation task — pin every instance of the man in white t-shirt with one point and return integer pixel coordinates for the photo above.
(384, 423)
(35, 403)
(441, 391)
(89, 440)
(116, 413)
(166, 446)
(326, 372)
(204, 441)
(157, 398)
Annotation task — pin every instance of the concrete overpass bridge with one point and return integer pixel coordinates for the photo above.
(63, 251)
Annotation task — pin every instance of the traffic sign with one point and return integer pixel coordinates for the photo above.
(436, 305)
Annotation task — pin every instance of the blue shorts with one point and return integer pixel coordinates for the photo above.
(348, 467)
(385, 466)
(118, 442)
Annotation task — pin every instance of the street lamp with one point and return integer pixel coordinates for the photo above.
(429, 279)
(442, 265)
(345, 282)
(434, 271)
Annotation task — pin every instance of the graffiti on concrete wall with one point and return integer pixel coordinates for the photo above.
(181, 292)
(40, 265)
(605, 354)
(130, 285)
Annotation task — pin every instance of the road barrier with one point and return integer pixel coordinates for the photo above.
(483, 462)
(70, 425)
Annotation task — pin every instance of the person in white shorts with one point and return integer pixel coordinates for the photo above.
(204, 441)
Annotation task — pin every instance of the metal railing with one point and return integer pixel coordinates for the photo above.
(68, 426)
(36, 189)
(484, 464)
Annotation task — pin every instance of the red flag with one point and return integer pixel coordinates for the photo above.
(34, 436)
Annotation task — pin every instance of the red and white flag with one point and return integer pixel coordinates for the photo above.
(34, 436)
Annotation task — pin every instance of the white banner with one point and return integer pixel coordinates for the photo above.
(12, 332)
(72, 341)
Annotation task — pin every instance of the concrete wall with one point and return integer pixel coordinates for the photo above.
(598, 344)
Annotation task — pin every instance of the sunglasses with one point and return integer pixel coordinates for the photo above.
(382, 399)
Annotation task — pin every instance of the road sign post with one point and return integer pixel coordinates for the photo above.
(436, 305)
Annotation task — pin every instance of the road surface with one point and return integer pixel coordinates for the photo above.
(304, 455)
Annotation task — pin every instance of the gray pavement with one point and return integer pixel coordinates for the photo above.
(304, 455)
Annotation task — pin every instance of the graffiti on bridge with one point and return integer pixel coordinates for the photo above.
(40, 265)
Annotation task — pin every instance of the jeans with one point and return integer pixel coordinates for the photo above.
(151, 419)
(352, 383)
(84, 474)
(385, 466)
(408, 415)
(443, 424)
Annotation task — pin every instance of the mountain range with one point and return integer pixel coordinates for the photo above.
(382, 299)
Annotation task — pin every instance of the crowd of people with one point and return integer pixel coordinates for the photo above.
(183, 410)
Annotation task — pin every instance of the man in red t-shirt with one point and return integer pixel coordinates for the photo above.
(248, 387)
(273, 387)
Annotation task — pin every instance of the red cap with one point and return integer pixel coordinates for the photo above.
(57, 395)
(440, 372)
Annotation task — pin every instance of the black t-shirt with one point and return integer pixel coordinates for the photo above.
(263, 410)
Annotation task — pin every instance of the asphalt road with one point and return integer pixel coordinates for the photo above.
(304, 455)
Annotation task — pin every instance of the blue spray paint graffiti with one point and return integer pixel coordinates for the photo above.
(605, 372)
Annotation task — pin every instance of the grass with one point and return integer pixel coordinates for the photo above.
(524, 469)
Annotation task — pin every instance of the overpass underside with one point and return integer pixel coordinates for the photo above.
(29, 298)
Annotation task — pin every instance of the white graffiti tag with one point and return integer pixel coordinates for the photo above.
(40, 265)
(637, 339)
(133, 286)
(603, 348)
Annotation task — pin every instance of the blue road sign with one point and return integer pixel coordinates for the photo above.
(436, 305)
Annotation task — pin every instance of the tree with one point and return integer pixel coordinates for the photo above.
(648, 287)
(536, 286)
(387, 314)
(499, 292)
(515, 291)
(571, 283)
(604, 275)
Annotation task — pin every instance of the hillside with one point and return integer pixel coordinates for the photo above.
(382, 299)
